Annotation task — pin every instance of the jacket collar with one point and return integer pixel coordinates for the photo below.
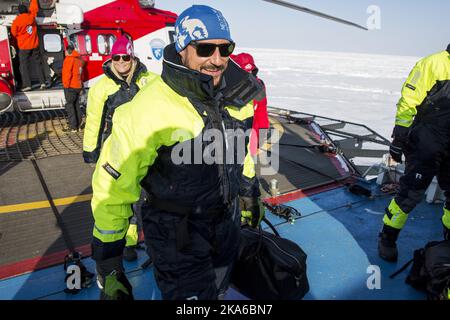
(237, 87)
(140, 68)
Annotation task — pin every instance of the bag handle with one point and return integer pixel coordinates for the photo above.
(260, 230)
(392, 276)
(270, 225)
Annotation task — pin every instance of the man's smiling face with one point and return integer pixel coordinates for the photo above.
(214, 65)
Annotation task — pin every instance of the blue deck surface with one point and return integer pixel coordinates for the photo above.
(338, 231)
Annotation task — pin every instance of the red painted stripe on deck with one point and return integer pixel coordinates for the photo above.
(49, 260)
(299, 194)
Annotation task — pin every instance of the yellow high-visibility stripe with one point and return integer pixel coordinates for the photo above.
(44, 204)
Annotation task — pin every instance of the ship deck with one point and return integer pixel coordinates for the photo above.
(338, 231)
(46, 189)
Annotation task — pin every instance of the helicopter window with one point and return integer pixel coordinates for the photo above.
(88, 43)
(52, 43)
(111, 40)
(105, 43)
(82, 43)
(102, 45)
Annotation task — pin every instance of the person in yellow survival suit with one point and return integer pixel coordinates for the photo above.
(171, 140)
(124, 76)
(422, 134)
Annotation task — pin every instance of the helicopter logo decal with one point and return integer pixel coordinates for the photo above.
(157, 46)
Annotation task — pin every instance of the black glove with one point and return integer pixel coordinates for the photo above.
(396, 151)
(112, 281)
(91, 157)
(252, 210)
(399, 141)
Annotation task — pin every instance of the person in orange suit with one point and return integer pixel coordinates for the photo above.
(24, 29)
(71, 77)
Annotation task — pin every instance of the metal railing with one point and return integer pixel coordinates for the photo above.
(356, 141)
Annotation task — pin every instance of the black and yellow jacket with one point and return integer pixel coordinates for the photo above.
(172, 118)
(104, 97)
(428, 84)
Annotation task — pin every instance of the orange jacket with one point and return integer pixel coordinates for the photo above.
(72, 71)
(24, 28)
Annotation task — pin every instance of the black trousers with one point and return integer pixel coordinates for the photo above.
(73, 107)
(202, 269)
(26, 57)
(427, 155)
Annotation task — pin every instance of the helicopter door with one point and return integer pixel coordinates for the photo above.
(52, 52)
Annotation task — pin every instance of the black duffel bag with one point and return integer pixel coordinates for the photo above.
(430, 270)
(269, 267)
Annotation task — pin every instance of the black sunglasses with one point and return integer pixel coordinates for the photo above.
(125, 57)
(205, 50)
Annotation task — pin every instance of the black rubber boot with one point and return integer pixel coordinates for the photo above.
(130, 254)
(387, 248)
(446, 234)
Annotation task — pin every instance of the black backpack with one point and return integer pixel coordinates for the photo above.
(430, 271)
(269, 267)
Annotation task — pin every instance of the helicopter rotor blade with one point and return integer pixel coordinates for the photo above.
(315, 13)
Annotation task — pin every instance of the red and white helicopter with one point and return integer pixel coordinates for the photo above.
(93, 26)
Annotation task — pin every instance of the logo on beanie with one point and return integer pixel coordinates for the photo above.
(157, 46)
(190, 29)
(223, 24)
(129, 48)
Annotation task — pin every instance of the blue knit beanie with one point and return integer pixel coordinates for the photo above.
(200, 22)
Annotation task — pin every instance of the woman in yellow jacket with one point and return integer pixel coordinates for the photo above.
(124, 76)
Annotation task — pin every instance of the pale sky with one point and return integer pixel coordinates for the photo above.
(408, 27)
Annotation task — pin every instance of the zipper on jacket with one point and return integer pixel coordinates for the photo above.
(226, 178)
(217, 123)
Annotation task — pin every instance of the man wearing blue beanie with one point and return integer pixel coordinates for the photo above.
(162, 142)
(199, 31)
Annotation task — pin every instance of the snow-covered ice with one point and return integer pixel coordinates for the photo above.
(360, 88)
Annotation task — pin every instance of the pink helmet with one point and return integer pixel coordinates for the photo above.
(122, 45)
